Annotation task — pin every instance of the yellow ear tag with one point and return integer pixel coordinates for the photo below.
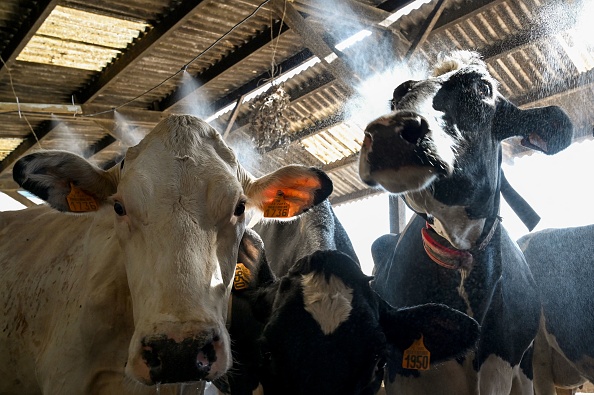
(278, 208)
(79, 201)
(416, 356)
(242, 277)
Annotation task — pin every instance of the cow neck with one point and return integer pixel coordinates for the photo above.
(444, 254)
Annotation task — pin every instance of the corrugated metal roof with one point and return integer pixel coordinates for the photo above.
(534, 48)
(80, 39)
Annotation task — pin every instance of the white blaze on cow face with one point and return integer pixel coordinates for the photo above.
(327, 300)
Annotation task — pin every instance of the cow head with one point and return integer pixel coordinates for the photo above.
(440, 145)
(177, 207)
(326, 331)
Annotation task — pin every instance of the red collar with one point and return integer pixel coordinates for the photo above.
(448, 256)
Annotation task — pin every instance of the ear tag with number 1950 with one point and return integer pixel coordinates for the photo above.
(416, 356)
(242, 277)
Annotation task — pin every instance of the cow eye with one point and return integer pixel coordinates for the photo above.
(484, 89)
(239, 209)
(401, 91)
(119, 208)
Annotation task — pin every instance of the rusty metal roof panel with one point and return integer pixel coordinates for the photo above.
(192, 43)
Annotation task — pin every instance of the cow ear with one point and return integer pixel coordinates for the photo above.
(289, 191)
(254, 271)
(447, 333)
(66, 181)
(546, 129)
(254, 283)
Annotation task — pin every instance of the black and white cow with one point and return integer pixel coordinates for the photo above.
(286, 242)
(562, 263)
(440, 148)
(323, 329)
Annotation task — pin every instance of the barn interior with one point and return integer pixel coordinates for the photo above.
(284, 81)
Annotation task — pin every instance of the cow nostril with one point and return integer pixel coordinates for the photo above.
(151, 358)
(170, 361)
(413, 129)
(205, 358)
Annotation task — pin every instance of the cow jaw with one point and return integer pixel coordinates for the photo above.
(450, 222)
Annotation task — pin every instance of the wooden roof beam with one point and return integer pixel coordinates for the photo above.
(290, 63)
(559, 88)
(454, 16)
(237, 56)
(40, 12)
(360, 13)
(426, 28)
(316, 44)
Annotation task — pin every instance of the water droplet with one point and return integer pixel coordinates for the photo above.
(200, 387)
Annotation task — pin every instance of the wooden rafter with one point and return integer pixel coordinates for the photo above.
(40, 12)
(239, 55)
(426, 28)
(316, 44)
(45, 128)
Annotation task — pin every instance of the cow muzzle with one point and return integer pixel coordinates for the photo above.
(400, 153)
(164, 359)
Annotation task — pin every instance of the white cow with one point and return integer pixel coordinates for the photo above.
(133, 294)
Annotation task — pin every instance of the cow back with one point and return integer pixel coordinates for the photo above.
(562, 262)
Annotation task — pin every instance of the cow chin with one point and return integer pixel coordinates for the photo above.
(171, 356)
(403, 179)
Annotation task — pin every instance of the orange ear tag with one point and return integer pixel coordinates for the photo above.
(79, 201)
(242, 277)
(416, 356)
(278, 208)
